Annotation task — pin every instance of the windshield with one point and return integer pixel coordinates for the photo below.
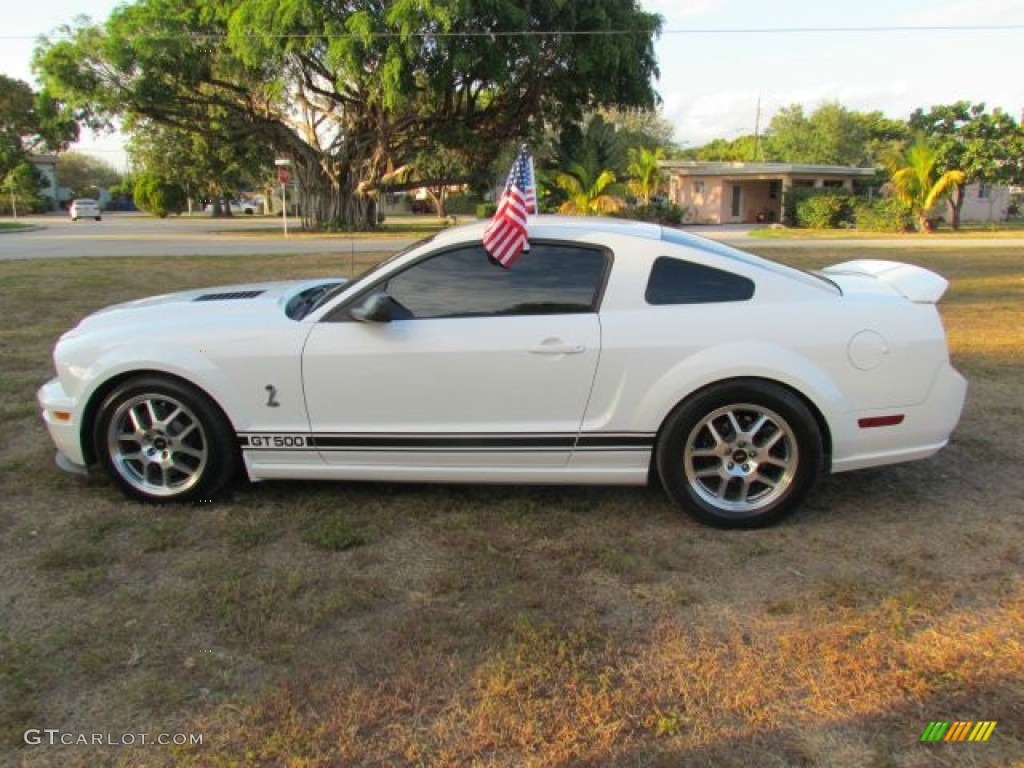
(369, 272)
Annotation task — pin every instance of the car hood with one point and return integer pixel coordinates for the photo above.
(206, 305)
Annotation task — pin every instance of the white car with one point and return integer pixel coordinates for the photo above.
(84, 208)
(246, 207)
(611, 352)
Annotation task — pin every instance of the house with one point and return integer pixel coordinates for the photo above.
(47, 167)
(724, 193)
(984, 202)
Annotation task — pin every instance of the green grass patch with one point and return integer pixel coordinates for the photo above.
(478, 625)
(13, 226)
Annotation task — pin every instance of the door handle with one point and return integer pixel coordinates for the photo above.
(557, 348)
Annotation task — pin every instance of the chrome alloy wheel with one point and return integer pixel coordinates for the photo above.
(157, 445)
(741, 458)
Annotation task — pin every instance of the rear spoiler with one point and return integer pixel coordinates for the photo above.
(916, 284)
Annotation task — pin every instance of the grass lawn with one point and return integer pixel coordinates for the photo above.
(13, 226)
(398, 226)
(1005, 230)
(311, 624)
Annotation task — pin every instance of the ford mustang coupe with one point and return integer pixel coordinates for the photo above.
(610, 352)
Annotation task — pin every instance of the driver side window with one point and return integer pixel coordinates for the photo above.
(464, 282)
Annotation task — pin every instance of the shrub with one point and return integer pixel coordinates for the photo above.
(670, 215)
(486, 210)
(157, 196)
(884, 214)
(817, 207)
(461, 204)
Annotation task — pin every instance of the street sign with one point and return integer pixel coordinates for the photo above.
(283, 174)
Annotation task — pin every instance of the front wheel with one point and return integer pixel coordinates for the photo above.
(740, 454)
(162, 440)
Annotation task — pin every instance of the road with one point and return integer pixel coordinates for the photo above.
(125, 234)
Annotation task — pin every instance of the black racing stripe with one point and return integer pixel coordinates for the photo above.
(442, 442)
(615, 440)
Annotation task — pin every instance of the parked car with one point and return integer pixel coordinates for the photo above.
(610, 353)
(84, 208)
(246, 207)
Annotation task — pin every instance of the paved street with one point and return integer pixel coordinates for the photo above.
(125, 234)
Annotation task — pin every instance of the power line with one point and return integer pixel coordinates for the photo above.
(586, 33)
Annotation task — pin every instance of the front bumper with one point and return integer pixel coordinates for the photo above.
(62, 417)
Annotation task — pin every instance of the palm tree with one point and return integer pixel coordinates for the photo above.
(914, 181)
(645, 168)
(590, 192)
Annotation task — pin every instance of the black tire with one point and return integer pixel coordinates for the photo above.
(99, 218)
(740, 454)
(162, 440)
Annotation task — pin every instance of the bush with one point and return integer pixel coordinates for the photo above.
(885, 214)
(486, 210)
(157, 196)
(670, 215)
(818, 208)
(462, 205)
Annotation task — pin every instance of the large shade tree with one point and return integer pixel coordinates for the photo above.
(30, 122)
(985, 146)
(350, 90)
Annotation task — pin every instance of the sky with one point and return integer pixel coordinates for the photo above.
(717, 62)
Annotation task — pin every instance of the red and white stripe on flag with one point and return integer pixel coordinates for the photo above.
(506, 237)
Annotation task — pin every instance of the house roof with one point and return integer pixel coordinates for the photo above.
(698, 168)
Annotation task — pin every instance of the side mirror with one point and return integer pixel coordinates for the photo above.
(378, 308)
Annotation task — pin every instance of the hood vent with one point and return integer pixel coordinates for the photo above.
(228, 296)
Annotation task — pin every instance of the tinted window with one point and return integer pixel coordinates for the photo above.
(548, 279)
(674, 281)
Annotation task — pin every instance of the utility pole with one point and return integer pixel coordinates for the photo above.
(758, 154)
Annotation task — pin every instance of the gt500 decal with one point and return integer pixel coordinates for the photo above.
(276, 442)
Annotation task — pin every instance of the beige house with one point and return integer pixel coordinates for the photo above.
(984, 203)
(725, 193)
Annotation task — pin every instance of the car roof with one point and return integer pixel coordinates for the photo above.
(579, 227)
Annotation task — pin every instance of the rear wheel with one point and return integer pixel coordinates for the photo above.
(162, 440)
(740, 454)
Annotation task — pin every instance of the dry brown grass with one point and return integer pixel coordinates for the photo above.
(351, 624)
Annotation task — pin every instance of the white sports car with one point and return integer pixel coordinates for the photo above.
(611, 352)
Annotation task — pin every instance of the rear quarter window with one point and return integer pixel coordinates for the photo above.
(674, 281)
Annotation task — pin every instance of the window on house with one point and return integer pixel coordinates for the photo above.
(984, 191)
(832, 183)
(698, 187)
(774, 189)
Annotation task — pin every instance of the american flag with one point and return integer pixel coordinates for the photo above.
(506, 237)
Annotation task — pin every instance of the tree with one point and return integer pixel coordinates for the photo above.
(590, 193)
(917, 181)
(645, 169)
(831, 135)
(29, 122)
(594, 144)
(986, 147)
(203, 164)
(22, 190)
(350, 90)
(641, 128)
(156, 195)
(84, 174)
